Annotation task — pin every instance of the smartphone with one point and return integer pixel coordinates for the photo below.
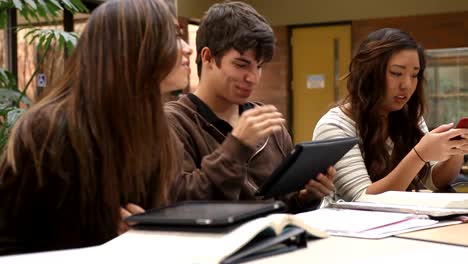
(462, 123)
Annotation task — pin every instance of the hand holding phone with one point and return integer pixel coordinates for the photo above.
(462, 123)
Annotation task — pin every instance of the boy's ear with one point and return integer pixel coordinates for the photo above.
(206, 56)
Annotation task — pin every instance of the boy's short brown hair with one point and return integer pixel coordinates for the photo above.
(234, 25)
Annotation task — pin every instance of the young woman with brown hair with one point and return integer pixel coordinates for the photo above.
(98, 139)
(385, 108)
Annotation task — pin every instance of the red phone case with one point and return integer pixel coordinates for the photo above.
(462, 123)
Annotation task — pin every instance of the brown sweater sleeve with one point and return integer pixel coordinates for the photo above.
(219, 175)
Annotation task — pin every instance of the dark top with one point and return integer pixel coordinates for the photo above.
(45, 213)
(205, 111)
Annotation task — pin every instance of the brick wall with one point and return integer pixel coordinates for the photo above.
(274, 85)
(447, 30)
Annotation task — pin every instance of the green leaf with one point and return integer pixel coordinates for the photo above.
(55, 3)
(80, 6)
(25, 15)
(68, 39)
(14, 115)
(31, 4)
(41, 40)
(33, 14)
(35, 33)
(43, 6)
(7, 80)
(52, 9)
(45, 47)
(56, 34)
(9, 118)
(69, 6)
(9, 97)
(70, 47)
(3, 18)
(18, 4)
(61, 41)
(31, 31)
(42, 12)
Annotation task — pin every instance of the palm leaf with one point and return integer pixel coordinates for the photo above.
(4, 6)
(13, 116)
(9, 98)
(31, 4)
(80, 6)
(46, 36)
(70, 6)
(55, 3)
(7, 79)
(53, 9)
(37, 10)
(18, 4)
(3, 13)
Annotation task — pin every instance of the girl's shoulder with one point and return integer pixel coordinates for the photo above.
(335, 123)
(336, 115)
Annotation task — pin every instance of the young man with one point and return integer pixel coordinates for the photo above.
(231, 145)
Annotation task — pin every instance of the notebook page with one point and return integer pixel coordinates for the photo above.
(409, 225)
(351, 221)
(422, 199)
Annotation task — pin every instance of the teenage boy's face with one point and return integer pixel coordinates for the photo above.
(237, 76)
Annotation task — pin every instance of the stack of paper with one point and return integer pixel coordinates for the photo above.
(422, 199)
(367, 224)
(436, 205)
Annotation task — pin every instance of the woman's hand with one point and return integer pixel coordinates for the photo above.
(438, 146)
(128, 210)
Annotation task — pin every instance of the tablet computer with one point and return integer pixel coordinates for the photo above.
(206, 213)
(305, 162)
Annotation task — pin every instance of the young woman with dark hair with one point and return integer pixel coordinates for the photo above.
(385, 108)
(98, 140)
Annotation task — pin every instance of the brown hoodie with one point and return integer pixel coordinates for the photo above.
(219, 167)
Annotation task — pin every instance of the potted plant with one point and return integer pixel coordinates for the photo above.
(13, 99)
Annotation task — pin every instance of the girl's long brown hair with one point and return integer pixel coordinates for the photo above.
(106, 111)
(366, 86)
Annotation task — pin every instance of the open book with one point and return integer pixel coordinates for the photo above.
(367, 224)
(276, 233)
(436, 205)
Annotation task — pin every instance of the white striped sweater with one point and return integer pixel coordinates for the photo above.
(352, 178)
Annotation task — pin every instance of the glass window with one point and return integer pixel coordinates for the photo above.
(447, 82)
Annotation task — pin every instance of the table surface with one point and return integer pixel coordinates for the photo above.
(141, 248)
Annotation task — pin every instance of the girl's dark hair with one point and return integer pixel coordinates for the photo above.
(366, 86)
